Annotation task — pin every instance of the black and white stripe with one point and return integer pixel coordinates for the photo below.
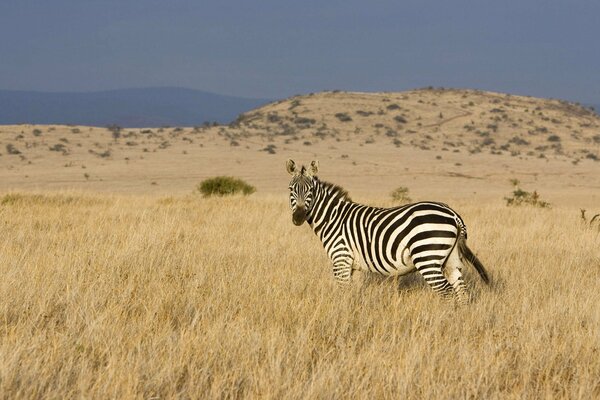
(427, 237)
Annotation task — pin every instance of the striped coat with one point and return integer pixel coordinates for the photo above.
(427, 237)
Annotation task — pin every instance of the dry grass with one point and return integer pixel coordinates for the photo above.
(142, 297)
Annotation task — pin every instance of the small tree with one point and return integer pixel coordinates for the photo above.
(115, 131)
(522, 197)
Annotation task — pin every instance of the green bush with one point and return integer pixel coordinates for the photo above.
(224, 186)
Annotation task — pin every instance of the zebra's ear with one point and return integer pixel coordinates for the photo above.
(290, 165)
(314, 168)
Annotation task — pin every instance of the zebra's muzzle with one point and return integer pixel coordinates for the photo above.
(299, 216)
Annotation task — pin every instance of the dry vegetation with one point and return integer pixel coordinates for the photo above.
(435, 119)
(160, 297)
(149, 291)
(433, 141)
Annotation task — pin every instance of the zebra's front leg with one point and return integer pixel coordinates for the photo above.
(342, 270)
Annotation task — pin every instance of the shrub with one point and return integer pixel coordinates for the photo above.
(304, 122)
(37, 132)
(518, 141)
(270, 149)
(521, 197)
(592, 156)
(400, 119)
(488, 141)
(343, 117)
(273, 117)
(224, 186)
(104, 154)
(60, 148)
(554, 138)
(400, 195)
(11, 149)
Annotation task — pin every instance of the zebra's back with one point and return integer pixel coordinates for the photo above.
(395, 241)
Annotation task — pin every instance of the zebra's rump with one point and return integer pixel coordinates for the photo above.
(394, 241)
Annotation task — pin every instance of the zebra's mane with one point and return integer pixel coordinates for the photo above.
(337, 191)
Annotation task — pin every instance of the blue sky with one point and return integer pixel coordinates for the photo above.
(279, 48)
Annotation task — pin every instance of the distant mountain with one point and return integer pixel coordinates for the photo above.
(125, 107)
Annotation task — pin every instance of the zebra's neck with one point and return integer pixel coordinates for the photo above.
(327, 202)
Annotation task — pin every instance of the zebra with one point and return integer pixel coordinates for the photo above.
(427, 237)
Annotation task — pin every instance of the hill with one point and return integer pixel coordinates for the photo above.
(446, 145)
(126, 107)
(435, 119)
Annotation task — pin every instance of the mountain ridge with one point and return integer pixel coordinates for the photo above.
(131, 107)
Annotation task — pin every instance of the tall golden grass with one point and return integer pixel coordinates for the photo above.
(147, 297)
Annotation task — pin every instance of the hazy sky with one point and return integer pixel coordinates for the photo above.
(278, 48)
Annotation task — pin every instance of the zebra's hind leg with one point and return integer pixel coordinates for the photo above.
(453, 272)
(433, 275)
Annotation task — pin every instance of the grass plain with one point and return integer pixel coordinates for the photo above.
(181, 296)
(119, 282)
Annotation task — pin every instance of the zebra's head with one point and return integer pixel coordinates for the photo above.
(301, 189)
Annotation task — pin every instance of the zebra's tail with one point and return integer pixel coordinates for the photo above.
(467, 254)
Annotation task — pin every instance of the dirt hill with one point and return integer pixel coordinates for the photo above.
(441, 144)
(435, 119)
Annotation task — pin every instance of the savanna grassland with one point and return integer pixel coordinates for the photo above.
(114, 296)
(120, 281)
